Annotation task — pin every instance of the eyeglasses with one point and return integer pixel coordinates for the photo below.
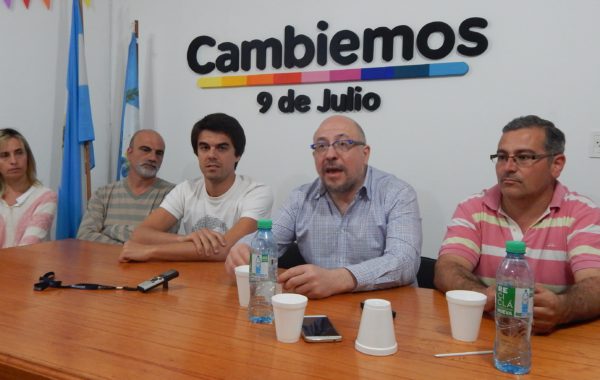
(339, 145)
(521, 159)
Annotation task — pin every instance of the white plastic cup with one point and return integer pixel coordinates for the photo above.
(465, 308)
(376, 334)
(289, 312)
(242, 279)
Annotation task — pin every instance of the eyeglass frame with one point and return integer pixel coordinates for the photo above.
(535, 157)
(336, 145)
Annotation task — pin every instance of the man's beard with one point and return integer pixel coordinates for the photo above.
(341, 188)
(146, 171)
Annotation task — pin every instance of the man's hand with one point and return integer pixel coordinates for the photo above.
(316, 282)
(548, 310)
(135, 252)
(239, 254)
(490, 303)
(206, 241)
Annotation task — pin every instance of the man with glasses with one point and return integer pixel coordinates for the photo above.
(357, 227)
(560, 228)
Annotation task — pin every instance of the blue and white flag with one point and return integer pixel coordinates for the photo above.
(78, 130)
(130, 118)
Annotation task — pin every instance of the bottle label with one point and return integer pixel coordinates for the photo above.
(514, 302)
(259, 264)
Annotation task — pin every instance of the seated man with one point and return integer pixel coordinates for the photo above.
(357, 227)
(215, 211)
(116, 209)
(559, 227)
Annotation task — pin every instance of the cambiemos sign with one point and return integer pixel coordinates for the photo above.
(344, 47)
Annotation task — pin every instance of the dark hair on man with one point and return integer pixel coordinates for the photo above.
(221, 123)
(9, 133)
(555, 138)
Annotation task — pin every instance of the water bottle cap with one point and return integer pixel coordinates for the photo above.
(517, 247)
(264, 224)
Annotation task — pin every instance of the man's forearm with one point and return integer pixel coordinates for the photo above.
(118, 232)
(582, 301)
(383, 272)
(147, 235)
(182, 251)
(346, 282)
(451, 275)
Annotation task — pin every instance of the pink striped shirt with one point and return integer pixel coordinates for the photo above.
(564, 240)
(30, 219)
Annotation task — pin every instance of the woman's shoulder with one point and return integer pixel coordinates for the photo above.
(40, 190)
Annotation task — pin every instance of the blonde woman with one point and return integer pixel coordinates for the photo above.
(27, 208)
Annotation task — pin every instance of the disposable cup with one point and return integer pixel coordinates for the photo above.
(465, 308)
(288, 309)
(242, 274)
(376, 334)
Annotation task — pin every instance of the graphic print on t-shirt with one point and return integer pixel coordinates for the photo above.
(211, 223)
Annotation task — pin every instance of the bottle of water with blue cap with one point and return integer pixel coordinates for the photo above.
(263, 273)
(514, 311)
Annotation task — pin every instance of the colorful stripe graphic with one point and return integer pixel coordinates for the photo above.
(347, 75)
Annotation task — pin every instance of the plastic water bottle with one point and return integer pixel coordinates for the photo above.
(263, 273)
(514, 311)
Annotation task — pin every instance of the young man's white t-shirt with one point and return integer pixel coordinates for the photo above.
(189, 203)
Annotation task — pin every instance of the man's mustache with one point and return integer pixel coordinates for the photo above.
(150, 163)
(511, 178)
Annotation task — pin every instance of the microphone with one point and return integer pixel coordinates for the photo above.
(162, 278)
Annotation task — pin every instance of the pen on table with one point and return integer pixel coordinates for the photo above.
(464, 353)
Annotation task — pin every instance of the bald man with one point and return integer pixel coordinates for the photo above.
(116, 209)
(357, 227)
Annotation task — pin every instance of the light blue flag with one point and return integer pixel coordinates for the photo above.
(78, 130)
(130, 117)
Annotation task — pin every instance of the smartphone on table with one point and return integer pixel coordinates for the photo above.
(318, 328)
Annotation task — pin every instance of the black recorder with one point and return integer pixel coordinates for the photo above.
(163, 279)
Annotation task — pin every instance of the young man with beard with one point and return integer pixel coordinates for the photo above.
(214, 210)
(358, 228)
(560, 228)
(116, 209)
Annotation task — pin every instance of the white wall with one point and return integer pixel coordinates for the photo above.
(434, 133)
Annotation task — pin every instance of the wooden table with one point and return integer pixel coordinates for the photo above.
(196, 329)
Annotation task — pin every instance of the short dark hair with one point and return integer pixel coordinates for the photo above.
(555, 138)
(222, 123)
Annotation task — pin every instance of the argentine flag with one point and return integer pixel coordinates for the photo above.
(78, 130)
(130, 118)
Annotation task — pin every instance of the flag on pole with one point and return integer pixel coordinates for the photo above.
(78, 131)
(130, 117)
